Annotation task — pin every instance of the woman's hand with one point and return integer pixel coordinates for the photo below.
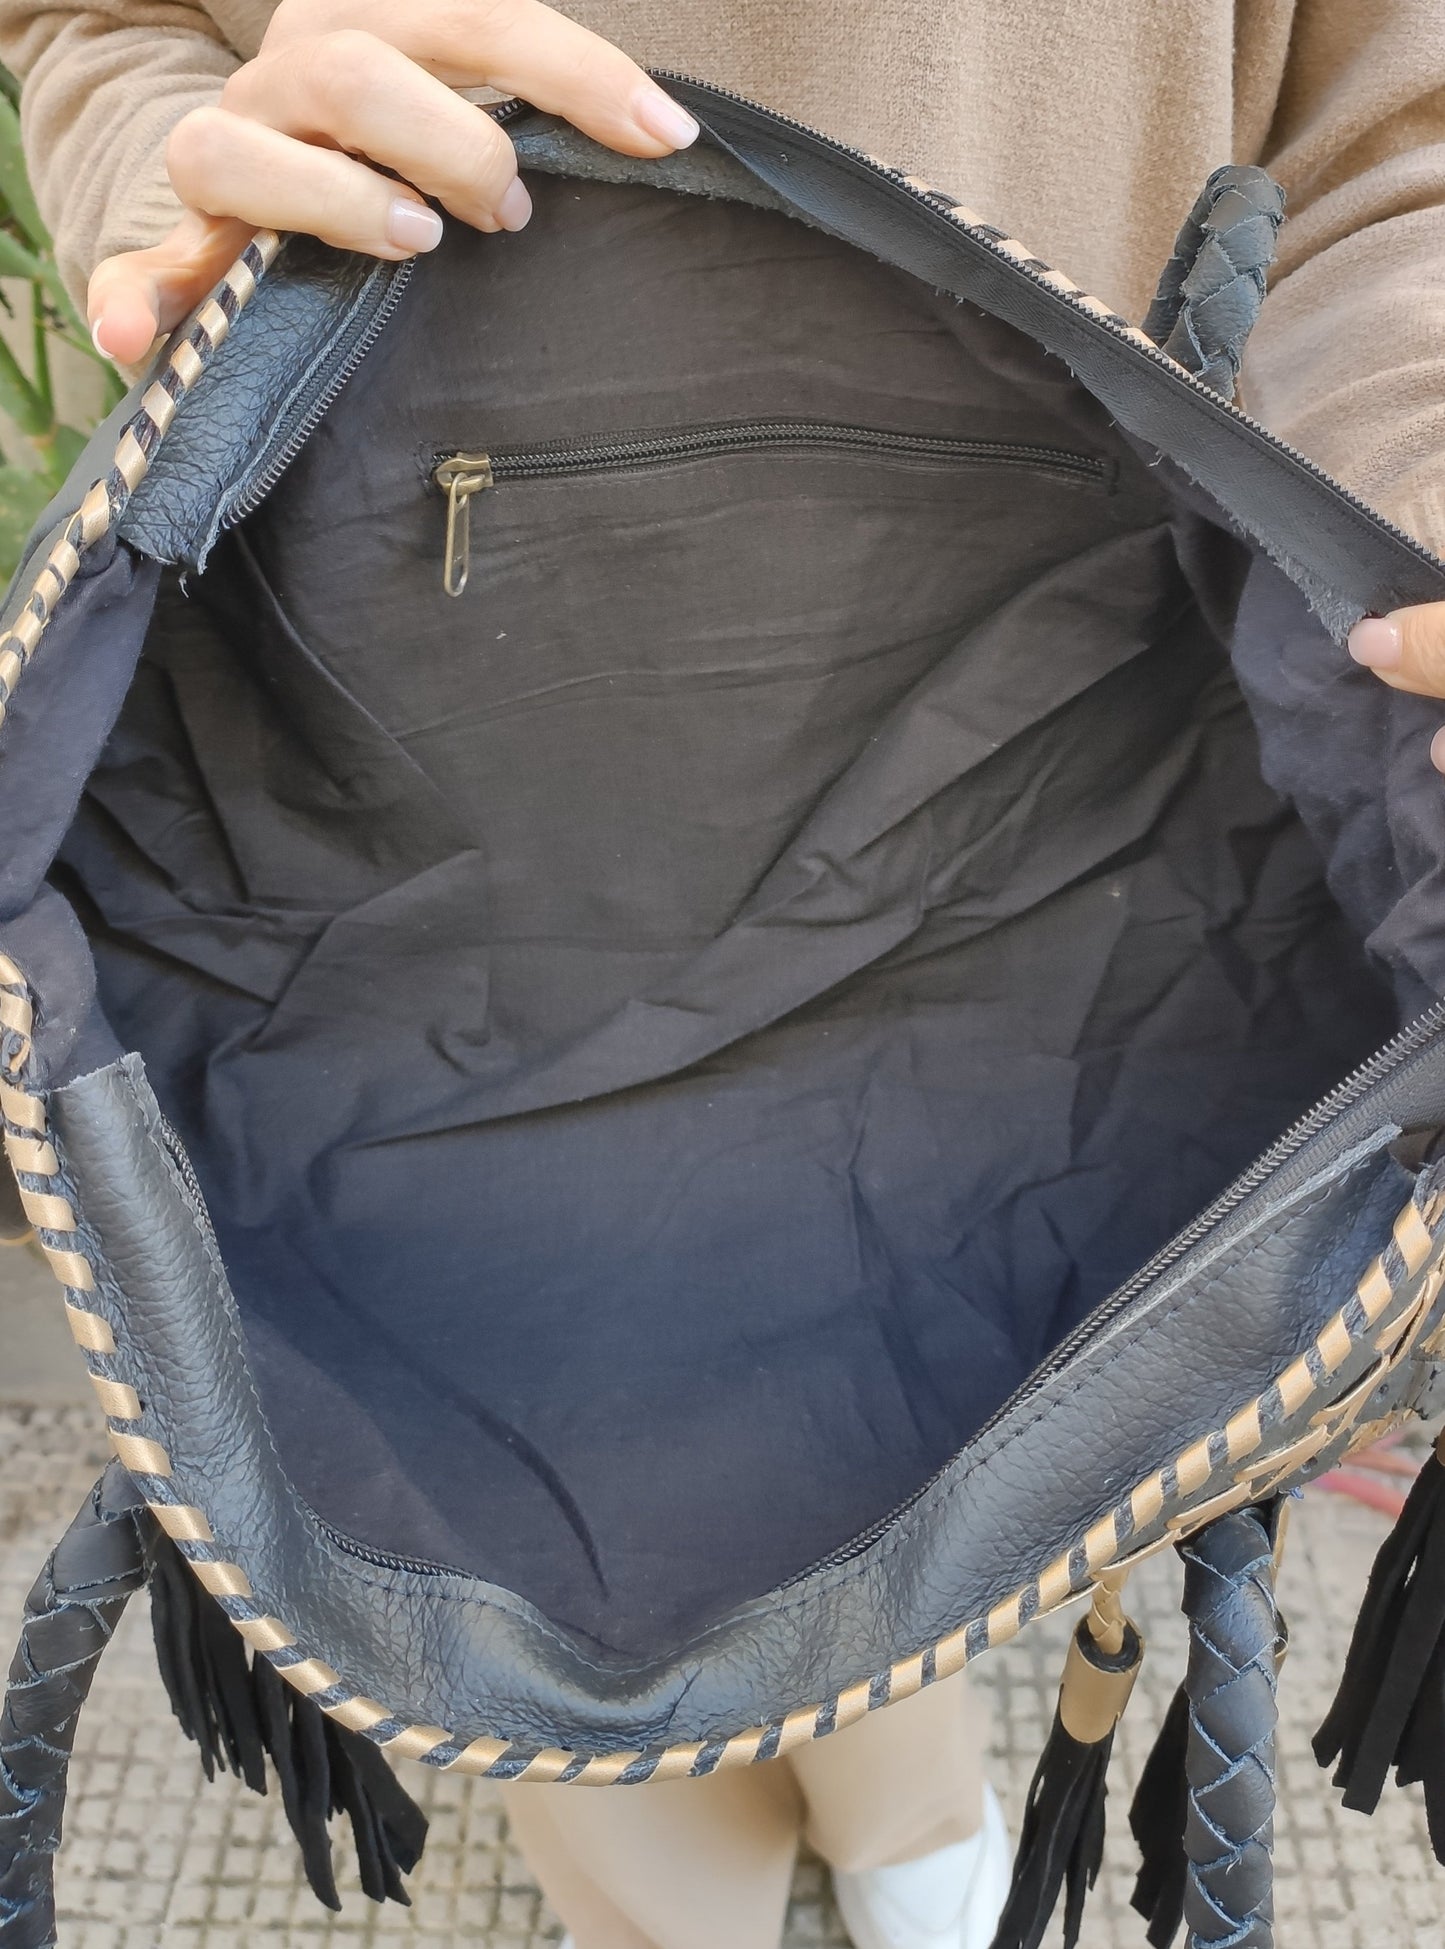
(1407, 651)
(341, 84)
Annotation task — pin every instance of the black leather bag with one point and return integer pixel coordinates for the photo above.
(703, 940)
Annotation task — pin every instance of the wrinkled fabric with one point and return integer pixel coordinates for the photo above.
(672, 1039)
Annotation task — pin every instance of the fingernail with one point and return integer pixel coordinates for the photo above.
(1375, 641)
(664, 118)
(515, 208)
(1437, 750)
(97, 341)
(412, 226)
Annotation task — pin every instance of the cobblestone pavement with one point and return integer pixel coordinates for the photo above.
(154, 1856)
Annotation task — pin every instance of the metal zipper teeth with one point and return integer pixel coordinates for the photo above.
(384, 1559)
(186, 1171)
(744, 436)
(1344, 1095)
(260, 485)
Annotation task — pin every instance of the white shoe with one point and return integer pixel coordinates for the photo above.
(948, 1900)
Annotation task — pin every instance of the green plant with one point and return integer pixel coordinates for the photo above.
(44, 447)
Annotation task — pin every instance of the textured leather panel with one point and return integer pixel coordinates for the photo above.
(448, 1650)
(258, 392)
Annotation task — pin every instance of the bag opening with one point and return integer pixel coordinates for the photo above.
(674, 1036)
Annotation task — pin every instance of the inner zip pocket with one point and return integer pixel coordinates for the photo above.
(463, 475)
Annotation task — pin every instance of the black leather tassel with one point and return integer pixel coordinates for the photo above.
(205, 1670)
(1156, 1820)
(1390, 1707)
(238, 1710)
(1061, 1846)
(389, 1827)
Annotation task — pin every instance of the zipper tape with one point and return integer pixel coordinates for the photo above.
(463, 475)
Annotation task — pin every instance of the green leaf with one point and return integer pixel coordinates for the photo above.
(19, 398)
(14, 183)
(17, 261)
(40, 373)
(22, 496)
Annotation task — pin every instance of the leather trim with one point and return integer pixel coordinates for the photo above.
(333, 1627)
(103, 503)
(257, 396)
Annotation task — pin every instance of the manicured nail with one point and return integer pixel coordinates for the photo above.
(664, 118)
(515, 209)
(97, 341)
(1376, 642)
(412, 226)
(1437, 750)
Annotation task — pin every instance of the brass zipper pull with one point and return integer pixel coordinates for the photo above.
(460, 476)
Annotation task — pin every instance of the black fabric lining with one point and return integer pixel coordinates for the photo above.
(671, 1039)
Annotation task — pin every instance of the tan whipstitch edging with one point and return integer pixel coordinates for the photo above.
(1008, 246)
(1387, 1312)
(106, 500)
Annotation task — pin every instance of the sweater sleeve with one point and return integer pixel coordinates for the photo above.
(103, 86)
(1348, 359)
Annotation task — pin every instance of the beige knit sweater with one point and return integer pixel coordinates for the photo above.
(1085, 127)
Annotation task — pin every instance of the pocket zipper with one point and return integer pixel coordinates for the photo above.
(462, 476)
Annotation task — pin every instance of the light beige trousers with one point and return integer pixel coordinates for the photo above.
(706, 1864)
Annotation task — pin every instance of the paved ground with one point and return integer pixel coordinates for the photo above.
(156, 1859)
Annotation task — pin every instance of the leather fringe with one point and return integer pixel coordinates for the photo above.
(1156, 1819)
(238, 1710)
(1061, 1846)
(1390, 1707)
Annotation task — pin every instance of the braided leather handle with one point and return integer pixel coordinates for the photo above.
(70, 1614)
(1213, 286)
(1234, 1636)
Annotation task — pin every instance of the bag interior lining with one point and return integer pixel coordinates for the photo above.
(673, 1037)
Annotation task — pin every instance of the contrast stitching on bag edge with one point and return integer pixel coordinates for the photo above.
(1391, 1303)
(106, 500)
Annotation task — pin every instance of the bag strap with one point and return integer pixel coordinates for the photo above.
(70, 1618)
(1234, 1650)
(1212, 289)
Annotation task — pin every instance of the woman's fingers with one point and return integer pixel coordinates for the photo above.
(518, 47)
(342, 85)
(361, 95)
(1406, 650)
(221, 162)
(135, 297)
